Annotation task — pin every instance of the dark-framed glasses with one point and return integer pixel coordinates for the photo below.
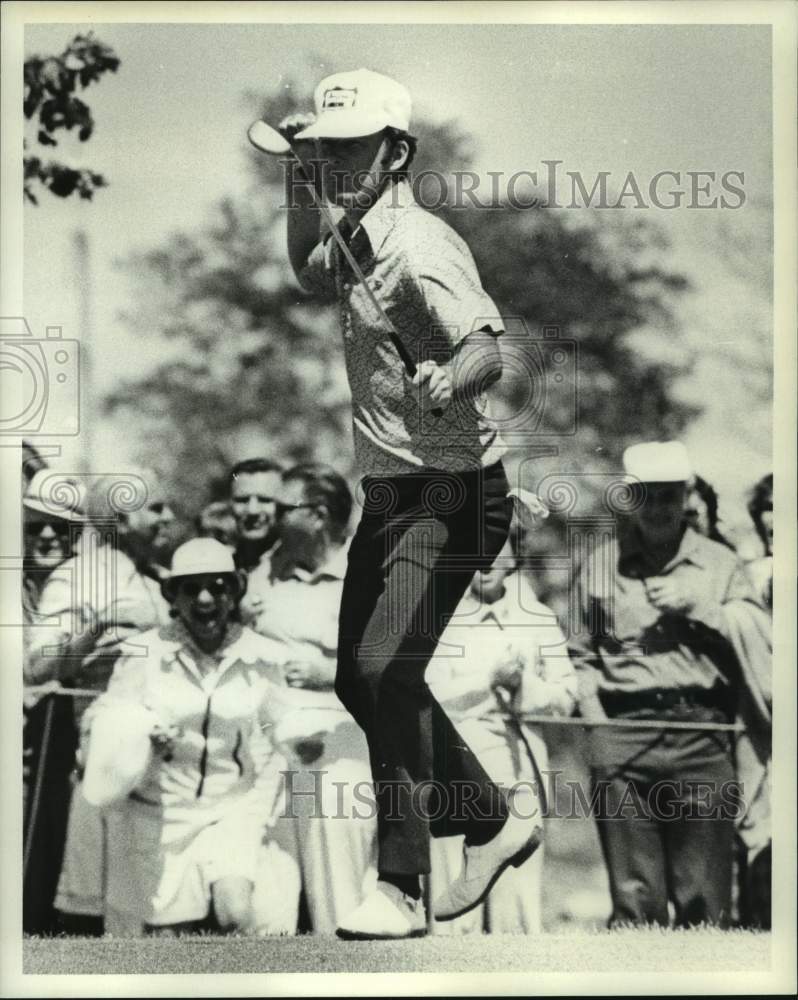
(59, 527)
(282, 508)
(192, 587)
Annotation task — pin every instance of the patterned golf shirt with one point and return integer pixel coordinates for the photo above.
(424, 277)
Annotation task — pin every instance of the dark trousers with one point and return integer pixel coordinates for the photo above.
(49, 743)
(665, 806)
(419, 542)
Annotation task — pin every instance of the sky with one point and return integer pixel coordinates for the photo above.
(171, 136)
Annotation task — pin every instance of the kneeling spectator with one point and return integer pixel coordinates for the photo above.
(193, 780)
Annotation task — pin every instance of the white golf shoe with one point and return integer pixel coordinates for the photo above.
(386, 913)
(517, 840)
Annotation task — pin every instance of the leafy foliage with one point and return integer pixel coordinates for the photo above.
(51, 103)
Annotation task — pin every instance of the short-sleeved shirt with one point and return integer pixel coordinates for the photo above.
(300, 612)
(480, 636)
(424, 277)
(637, 648)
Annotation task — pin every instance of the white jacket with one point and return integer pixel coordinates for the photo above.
(479, 638)
(222, 716)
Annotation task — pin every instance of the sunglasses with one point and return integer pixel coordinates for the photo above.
(61, 528)
(283, 508)
(217, 588)
(257, 496)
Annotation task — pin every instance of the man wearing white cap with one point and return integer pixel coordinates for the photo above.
(178, 743)
(435, 494)
(659, 607)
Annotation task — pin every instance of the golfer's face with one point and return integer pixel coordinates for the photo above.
(253, 500)
(352, 169)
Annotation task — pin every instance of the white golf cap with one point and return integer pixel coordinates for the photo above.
(56, 495)
(202, 555)
(358, 103)
(658, 462)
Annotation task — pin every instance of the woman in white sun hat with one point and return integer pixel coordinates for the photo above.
(179, 743)
(52, 520)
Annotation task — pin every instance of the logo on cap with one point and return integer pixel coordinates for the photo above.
(339, 97)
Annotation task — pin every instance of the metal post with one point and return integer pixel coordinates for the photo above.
(85, 289)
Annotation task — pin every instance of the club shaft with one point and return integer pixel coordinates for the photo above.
(404, 354)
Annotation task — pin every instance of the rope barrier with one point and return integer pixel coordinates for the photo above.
(526, 717)
(713, 727)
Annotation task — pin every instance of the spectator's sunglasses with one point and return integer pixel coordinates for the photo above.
(283, 508)
(217, 588)
(61, 528)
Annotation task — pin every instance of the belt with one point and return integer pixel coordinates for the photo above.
(665, 699)
(138, 797)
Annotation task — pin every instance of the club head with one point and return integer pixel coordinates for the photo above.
(268, 139)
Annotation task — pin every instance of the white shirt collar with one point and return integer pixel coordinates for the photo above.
(334, 568)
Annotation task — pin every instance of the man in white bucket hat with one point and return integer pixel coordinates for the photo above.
(420, 343)
(660, 607)
(193, 809)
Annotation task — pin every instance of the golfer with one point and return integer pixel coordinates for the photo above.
(434, 494)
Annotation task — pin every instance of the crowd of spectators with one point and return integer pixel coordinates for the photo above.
(188, 764)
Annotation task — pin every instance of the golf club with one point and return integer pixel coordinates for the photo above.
(268, 140)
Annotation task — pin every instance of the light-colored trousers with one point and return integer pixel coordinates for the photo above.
(515, 902)
(323, 838)
(95, 859)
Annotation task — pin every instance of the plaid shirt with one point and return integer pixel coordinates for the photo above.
(424, 277)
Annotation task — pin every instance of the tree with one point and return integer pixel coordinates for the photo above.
(249, 364)
(50, 102)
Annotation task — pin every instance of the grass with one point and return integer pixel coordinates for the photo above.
(638, 950)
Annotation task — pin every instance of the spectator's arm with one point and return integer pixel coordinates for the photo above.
(57, 647)
(552, 690)
(128, 681)
(708, 612)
